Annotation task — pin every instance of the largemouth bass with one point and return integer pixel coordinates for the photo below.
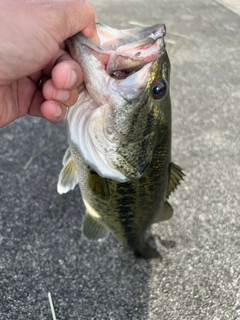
(120, 135)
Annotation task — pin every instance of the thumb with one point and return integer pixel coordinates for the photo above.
(76, 16)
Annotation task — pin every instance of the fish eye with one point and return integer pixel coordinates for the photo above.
(159, 89)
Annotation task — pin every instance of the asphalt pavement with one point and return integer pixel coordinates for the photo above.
(41, 245)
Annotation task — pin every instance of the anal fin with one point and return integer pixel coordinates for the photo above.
(93, 230)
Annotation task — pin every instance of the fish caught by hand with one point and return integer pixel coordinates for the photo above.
(120, 135)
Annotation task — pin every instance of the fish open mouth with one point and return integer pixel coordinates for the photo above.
(123, 74)
(121, 53)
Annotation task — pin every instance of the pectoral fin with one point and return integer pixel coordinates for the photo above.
(66, 157)
(93, 230)
(68, 176)
(98, 185)
(175, 176)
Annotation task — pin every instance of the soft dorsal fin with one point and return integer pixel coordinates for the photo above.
(68, 178)
(175, 176)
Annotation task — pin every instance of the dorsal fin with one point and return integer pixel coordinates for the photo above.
(175, 176)
(68, 178)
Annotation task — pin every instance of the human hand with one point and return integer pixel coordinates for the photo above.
(32, 34)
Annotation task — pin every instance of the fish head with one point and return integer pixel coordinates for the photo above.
(115, 123)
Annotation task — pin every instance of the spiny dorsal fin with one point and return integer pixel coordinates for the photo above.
(175, 176)
(93, 230)
(68, 178)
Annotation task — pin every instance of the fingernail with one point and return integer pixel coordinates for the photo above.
(73, 78)
(58, 112)
(96, 40)
(62, 95)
